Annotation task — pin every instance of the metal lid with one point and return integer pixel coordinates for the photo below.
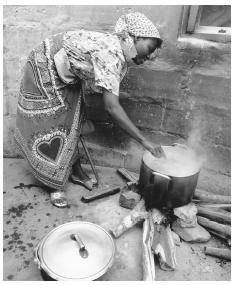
(62, 256)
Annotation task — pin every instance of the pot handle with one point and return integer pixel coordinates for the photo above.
(180, 145)
(36, 258)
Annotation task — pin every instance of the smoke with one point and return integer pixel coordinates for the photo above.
(195, 137)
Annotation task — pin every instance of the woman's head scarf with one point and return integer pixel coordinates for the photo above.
(135, 24)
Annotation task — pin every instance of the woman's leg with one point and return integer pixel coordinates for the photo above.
(79, 176)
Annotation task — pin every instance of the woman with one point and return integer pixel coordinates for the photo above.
(51, 99)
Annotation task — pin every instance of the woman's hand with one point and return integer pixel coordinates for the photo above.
(156, 150)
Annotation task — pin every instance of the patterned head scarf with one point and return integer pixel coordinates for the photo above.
(135, 24)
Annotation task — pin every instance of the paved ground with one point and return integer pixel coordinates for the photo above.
(29, 215)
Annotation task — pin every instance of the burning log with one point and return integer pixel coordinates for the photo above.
(136, 215)
(164, 247)
(163, 244)
(213, 198)
(214, 215)
(157, 216)
(218, 252)
(148, 257)
(223, 230)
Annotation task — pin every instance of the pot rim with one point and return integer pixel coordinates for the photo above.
(172, 176)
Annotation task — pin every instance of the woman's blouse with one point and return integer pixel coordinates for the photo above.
(97, 58)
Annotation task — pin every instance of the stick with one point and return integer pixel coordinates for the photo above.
(221, 229)
(148, 257)
(210, 197)
(214, 215)
(100, 195)
(224, 237)
(226, 207)
(218, 252)
(130, 177)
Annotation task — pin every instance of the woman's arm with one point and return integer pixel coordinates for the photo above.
(115, 110)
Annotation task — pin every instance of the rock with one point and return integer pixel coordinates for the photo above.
(129, 199)
(195, 234)
(187, 215)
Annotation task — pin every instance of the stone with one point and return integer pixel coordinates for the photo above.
(187, 215)
(195, 234)
(129, 199)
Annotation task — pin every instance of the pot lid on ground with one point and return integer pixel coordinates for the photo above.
(61, 257)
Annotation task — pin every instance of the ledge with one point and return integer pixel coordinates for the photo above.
(191, 41)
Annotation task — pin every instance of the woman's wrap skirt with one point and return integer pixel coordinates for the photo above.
(49, 116)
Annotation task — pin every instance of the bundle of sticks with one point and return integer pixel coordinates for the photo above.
(214, 213)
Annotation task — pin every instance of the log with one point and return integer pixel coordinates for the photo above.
(224, 253)
(157, 216)
(225, 207)
(135, 216)
(222, 236)
(214, 215)
(210, 197)
(163, 246)
(148, 257)
(217, 227)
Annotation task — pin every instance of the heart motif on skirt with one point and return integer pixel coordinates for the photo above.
(50, 149)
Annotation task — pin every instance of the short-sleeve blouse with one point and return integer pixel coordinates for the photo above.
(97, 58)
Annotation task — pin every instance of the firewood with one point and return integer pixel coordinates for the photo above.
(164, 247)
(225, 207)
(224, 253)
(148, 257)
(210, 197)
(217, 227)
(135, 216)
(214, 215)
(157, 216)
(220, 235)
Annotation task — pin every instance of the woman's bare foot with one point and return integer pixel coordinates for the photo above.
(80, 177)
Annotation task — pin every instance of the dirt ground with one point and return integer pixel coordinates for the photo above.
(29, 216)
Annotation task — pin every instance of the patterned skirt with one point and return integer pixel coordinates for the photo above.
(49, 116)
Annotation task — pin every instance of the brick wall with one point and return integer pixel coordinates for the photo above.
(185, 94)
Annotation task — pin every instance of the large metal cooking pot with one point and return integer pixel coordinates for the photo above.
(171, 181)
(75, 251)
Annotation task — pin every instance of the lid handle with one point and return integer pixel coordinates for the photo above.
(82, 249)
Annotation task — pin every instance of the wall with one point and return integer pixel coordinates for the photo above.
(184, 94)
